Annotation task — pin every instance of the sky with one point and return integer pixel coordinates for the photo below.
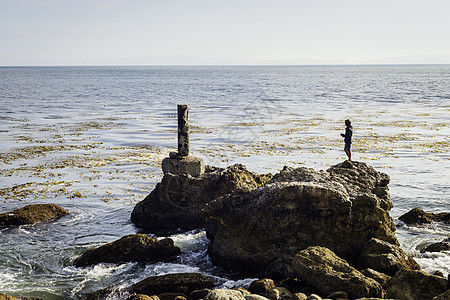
(223, 32)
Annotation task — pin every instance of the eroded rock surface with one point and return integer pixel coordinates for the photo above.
(31, 214)
(341, 208)
(177, 201)
(418, 216)
(134, 247)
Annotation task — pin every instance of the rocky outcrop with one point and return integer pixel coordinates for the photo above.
(418, 216)
(443, 245)
(7, 297)
(415, 285)
(177, 201)
(341, 208)
(134, 247)
(328, 273)
(385, 257)
(173, 283)
(31, 214)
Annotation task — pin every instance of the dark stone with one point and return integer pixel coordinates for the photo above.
(177, 201)
(32, 213)
(385, 257)
(183, 283)
(437, 247)
(418, 216)
(172, 296)
(134, 247)
(341, 208)
(183, 130)
(261, 286)
(198, 294)
(415, 285)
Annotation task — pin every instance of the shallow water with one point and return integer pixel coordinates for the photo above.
(91, 139)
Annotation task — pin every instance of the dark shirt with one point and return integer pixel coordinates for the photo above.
(348, 135)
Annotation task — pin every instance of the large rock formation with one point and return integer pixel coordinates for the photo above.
(177, 201)
(133, 247)
(443, 245)
(328, 273)
(32, 213)
(341, 208)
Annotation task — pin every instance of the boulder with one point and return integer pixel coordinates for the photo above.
(255, 297)
(443, 245)
(133, 247)
(198, 294)
(328, 273)
(172, 283)
(385, 257)
(341, 208)
(31, 214)
(142, 297)
(261, 286)
(280, 293)
(224, 294)
(379, 277)
(415, 285)
(177, 201)
(444, 296)
(418, 216)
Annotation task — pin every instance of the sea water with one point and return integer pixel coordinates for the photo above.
(91, 139)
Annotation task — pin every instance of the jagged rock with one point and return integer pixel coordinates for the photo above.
(133, 247)
(341, 208)
(385, 257)
(379, 277)
(224, 294)
(324, 270)
(418, 216)
(172, 283)
(444, 296)
(443, 245)
(415, 285)
(177, 201)
(261, 286)
(32, 213)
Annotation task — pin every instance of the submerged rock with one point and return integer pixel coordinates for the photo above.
(173, 283)
(177, 201)
(418, 216)
(443, 245)
(341, 208)
(415, 285)
(328, 273)
(31, 214)
(134, 247)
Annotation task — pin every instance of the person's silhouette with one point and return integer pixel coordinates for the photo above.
(348, 138)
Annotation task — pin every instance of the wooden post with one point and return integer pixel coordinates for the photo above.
(183, 130)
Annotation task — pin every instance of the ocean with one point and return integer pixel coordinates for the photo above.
(91, 139)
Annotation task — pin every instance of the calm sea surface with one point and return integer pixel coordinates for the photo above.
(91, 139)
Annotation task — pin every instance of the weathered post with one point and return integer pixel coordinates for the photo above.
(183, 130)
(181, 163)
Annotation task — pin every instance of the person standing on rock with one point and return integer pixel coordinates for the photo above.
(348, 138)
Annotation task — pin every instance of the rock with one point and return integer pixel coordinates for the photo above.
(279, 269)
(172, 296)
(338, 295)
(177, 201)
(31, 214)
(300, 296)
(133, 247)
(325, 271)
(280, 293)
(437, 247)
(142, 297)
(172, 283)
(341, 208)
(379, 277)
(385, 257)
(444, 296)
(198, 294)
(7, 297)
(224, 294)
(255, 297)
(418, 216)
(261, 286)
(314, 297)
(415, 285)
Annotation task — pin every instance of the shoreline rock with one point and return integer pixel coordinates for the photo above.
(418, 216)
(443, 245)
(32, 214)
(341, 208)
(177, 201)
(133, 247)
